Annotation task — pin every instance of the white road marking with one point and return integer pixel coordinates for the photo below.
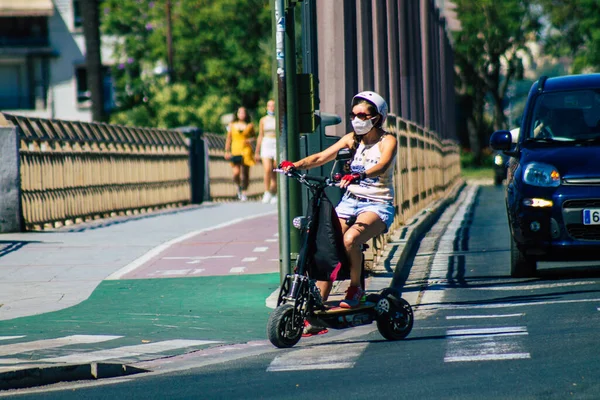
(249, 259)
(439, 264)
(53, 343)
(195, 258)
(338, 356)
(537, 286)
(198, 271)
(128, 351)
(260, 249)
(271, 240)
(11, 337)
(509, 330)
(485, 344)
(237, 270)
(484, 316)
(502, 305)
(159, 249)
(172, 272)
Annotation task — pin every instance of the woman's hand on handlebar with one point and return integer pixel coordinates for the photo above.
(287, 166)
(351, 178)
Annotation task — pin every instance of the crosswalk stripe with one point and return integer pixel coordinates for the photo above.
(338, 356)
(10, 337)
(128, 351)
(485, 344)
(17, 348)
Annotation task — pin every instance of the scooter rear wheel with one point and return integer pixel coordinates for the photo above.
(394, 316)
(283, 329)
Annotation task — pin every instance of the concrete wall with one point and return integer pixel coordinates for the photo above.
(10, 186)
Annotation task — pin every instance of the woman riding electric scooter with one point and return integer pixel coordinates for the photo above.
(369, 186)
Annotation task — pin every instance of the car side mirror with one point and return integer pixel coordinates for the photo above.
(502, 141)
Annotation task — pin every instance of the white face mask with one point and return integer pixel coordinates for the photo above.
(362, 127)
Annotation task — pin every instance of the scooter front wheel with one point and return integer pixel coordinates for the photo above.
(394, 316)
(284, 329)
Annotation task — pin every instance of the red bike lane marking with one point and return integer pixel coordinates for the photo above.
(247, 247)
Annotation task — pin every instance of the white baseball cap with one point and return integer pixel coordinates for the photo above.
(376, 100)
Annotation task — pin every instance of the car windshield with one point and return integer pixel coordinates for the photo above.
(568, 116)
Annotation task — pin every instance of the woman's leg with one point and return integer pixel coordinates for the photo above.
(272, 177)
(236, 176)
(268, 172)
(367, 226)
(245, 178)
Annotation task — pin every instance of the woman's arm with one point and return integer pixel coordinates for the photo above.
(261, 133)
(323, 157)
(228, 143)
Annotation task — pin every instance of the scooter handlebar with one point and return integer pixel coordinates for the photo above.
(293, 173)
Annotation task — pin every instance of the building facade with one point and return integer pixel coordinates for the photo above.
(42, 60)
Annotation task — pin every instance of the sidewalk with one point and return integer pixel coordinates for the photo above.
(60, 308)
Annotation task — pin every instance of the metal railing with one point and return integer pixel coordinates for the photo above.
(72, 172)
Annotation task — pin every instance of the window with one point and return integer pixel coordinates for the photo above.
(77, 20)
(84, 98)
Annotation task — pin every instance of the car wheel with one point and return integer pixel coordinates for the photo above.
(497, 180)
(521, 266)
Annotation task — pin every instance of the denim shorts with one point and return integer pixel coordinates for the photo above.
(349, 206)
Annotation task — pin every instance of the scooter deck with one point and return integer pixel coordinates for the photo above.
(333, 307)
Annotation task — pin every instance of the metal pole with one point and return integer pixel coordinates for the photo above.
(169, 43)
(293, 129)
(281, 100)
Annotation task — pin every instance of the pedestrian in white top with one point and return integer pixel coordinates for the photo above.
(266, 150)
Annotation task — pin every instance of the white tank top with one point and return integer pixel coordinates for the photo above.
(378, 188)
(269, 126)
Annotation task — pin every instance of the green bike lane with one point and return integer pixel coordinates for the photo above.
(227, 309)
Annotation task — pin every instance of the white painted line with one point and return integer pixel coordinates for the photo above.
(488, 357)
(520, 330)
(249, 259)
(338, 356)
(11, 337)
(503, 305)
(198, 271)
(484, 316)
(53, 343)
(199, 258)
(174, 272)
(271, 240)
(538, 286)
(260, 249)
(159, 249)
(194, 262)
(128, 351)
(237, 270)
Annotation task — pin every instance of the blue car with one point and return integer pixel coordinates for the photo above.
(552, 190)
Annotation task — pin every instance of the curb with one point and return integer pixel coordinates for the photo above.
(47, 375)
(402, 242)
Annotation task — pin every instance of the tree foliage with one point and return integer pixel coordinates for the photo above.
(575, 32)
(489, 50)
(221, 59)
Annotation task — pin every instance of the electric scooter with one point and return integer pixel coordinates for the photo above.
(300, 299)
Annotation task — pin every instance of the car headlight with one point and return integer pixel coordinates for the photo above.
(498, 160)
(540, 174)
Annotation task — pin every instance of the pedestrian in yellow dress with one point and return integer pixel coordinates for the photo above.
(239, 151)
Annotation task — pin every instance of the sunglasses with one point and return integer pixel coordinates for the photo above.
(361, 116)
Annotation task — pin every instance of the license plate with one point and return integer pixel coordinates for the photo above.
(591, 216)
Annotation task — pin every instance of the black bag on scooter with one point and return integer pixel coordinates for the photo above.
(329, 261)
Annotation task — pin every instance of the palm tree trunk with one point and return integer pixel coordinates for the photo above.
(91, 30)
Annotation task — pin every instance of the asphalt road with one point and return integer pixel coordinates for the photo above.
(478, 334)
